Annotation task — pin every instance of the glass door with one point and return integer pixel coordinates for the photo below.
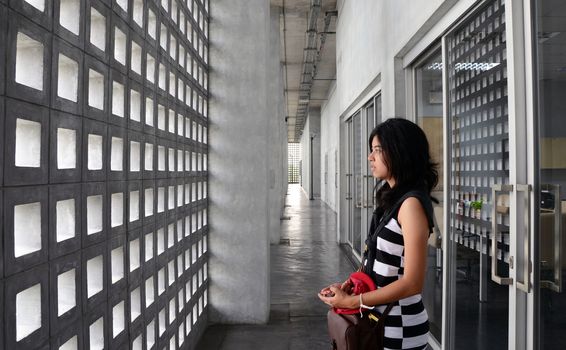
(429, 116)
(479, 206)
(350, 206)
(369, 181)
(361, 184)
(358, 194)
(550, 168)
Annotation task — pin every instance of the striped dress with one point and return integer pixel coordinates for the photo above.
(406, 327)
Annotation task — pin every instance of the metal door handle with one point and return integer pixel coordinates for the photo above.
(494, 275)
(349, 187)
(363, 195)
(525, 286)
(359, 198)
(367, 199)
(555, 285)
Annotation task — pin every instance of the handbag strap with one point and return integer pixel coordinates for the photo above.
(387, 310)
(369, 251)
(371, 240)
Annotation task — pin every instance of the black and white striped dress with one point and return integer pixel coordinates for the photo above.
(406, 327)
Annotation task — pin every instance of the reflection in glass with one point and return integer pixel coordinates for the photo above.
(551, 39)
(429, 111)
(358, 196)
(476, 67)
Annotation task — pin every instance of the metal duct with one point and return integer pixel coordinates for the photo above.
(311, 56)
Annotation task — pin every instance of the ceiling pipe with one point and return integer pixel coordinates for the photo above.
(312, 54)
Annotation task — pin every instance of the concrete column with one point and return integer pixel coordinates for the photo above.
(305, 158)
(239, 161)
(275, 92)
(314, 117)
(284, 169)
(311, 182)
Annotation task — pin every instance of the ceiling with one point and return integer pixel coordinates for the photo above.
(308, 56)
(321, 72)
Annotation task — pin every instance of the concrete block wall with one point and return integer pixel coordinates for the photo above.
(104, 181)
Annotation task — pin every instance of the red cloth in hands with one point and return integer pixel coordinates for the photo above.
(360, 283)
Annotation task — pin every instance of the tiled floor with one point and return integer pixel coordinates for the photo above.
(307, 259)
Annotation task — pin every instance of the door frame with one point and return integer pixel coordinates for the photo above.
(367, 203)
(412, 114)
(523, 329)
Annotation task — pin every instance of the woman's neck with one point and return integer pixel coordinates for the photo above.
(391, 182)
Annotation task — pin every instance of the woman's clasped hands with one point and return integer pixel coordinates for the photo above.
(338, 295)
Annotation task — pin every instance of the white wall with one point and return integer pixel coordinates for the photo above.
(359, 46)
(369, 36)
(329, 136)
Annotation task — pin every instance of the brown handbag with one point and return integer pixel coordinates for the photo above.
(353, 332)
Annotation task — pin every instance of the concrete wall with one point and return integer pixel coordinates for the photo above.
(359, 45)
(277, 136)
(312, 186)
(245, 177)
(370, 34)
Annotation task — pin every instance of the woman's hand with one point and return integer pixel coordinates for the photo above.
(346, 286)
(326, 290)
(334, 296)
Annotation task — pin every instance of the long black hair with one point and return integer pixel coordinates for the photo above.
(405, 152)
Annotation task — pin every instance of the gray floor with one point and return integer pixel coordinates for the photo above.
(307, 259)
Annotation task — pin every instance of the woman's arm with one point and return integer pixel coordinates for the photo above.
(414, 223)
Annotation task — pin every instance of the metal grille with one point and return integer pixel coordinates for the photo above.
(477, 78)
(294, 163)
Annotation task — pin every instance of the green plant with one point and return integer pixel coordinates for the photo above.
(476, 205)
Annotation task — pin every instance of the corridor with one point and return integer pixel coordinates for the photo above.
(306, 259)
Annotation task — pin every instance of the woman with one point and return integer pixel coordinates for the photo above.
(399, 155)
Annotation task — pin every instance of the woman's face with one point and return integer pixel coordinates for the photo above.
(377, 165)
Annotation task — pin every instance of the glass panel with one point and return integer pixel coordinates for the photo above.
(429, 117)
(551, 34)
(349, 180)
(378, 119)
(478, 124)
(358, 195)
(370, 181)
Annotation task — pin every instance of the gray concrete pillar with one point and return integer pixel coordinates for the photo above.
(314, 117)
(277, 129)
(310, 141)
(239, 161)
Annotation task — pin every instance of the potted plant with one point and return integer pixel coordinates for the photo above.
(476, 206)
